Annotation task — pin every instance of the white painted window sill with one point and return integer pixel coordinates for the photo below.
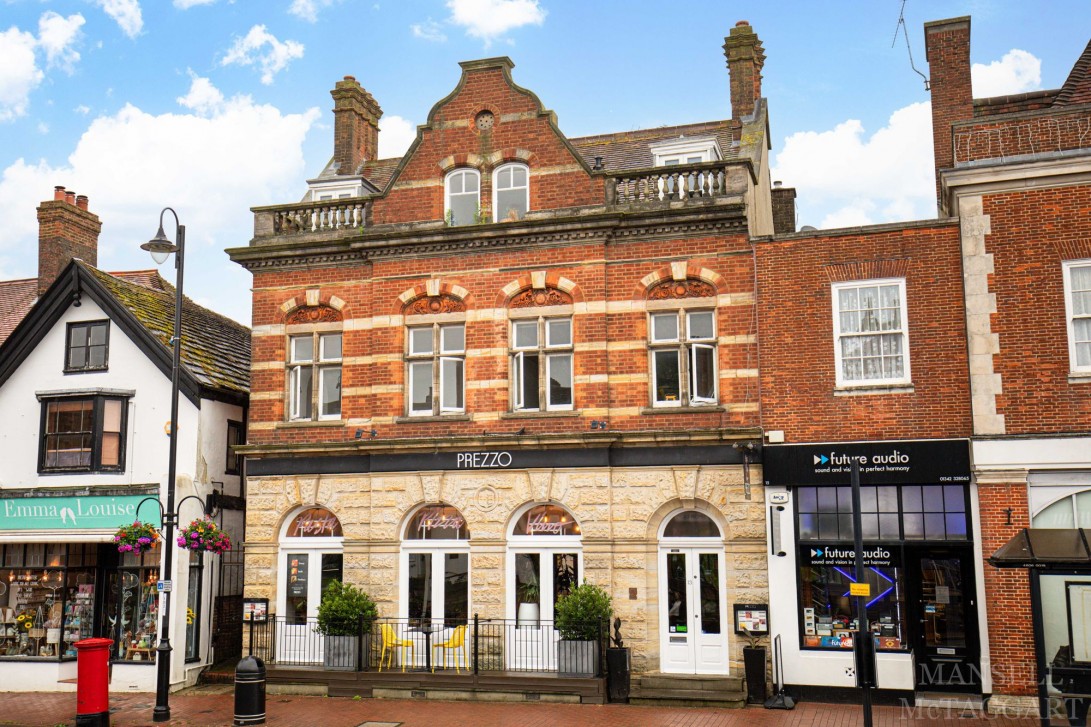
(874, 389)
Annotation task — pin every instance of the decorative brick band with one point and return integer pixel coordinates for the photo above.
(867, 270)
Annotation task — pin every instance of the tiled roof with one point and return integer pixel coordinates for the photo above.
(16, 298)
(1077, 88)
(632, 149)
(215, 349)
(379, 171)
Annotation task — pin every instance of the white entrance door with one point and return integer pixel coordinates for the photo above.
(692, 610)
(306, 572)
(436, 594)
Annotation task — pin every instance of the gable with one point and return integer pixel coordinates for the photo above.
(485, 122)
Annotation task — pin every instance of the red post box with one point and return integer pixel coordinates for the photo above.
(93, 682)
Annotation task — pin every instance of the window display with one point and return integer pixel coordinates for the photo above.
(40, 603)
(132, 607)
(829, 614)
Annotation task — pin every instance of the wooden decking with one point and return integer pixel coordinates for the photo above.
(506, 686)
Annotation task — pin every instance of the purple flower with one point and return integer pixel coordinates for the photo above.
(125, 548)
(195, 546)
(181, 541)
(193, 535)
(144, 540)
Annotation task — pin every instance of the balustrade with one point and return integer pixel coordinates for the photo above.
(331, 214)
(667, 184)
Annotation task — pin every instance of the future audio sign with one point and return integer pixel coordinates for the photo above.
(921, 461)
(875, 556)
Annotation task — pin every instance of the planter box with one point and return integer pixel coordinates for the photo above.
(577, 658)
(754, 663)
(340, 652)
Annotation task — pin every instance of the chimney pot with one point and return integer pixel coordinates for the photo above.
(58, 193)
(70, 197)
(742, 23)
(350, 78)
(81, 201)
(777, 183)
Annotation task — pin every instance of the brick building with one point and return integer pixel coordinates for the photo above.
(1015, 170)
(509, 361)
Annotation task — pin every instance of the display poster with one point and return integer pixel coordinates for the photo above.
(255, 610)
(297, 574)
(752, 618)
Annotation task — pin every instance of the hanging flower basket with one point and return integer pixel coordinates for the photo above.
(136, 538)
(203, 534)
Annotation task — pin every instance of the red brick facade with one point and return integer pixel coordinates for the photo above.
(799, 392)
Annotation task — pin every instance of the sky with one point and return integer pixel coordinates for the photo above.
(211, 107)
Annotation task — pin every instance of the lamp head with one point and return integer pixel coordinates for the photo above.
(159, 246)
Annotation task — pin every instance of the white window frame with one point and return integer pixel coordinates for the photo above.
(546, 351)
(686, 151)
(685, 345)
(447, 194)
(1071, 316)
(836, 290)
(317, 364)
(497, 216)
(439, 358)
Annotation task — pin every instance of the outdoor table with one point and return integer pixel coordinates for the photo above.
(427, 630)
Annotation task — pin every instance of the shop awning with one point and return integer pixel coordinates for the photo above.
(1044, 548)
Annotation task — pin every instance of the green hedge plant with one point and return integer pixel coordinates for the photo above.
(342, 607)
(584, 614)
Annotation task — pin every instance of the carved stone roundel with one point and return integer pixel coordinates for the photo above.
(485, 121)
(674, 289)
(548, 296)
(314, 314)
(433, 304)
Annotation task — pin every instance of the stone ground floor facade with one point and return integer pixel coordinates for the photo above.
(640, 532)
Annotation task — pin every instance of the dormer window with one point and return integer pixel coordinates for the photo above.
(686, 151)
(462, 191)
(511, 192)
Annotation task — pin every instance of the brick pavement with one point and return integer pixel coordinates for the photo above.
(208, 707)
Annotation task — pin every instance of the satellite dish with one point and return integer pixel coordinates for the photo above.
(808, 228)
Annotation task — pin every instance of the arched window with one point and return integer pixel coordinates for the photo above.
(511, 192)
(311, 557)
(437, 522)
(546, 520)
(462, 192)
(314, 522)
(691, 524)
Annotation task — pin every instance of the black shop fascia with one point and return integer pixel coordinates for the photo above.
(917, 525)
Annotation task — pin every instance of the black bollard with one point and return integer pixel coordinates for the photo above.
(249, 691)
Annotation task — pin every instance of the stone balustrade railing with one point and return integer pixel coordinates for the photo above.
(668, 184)
(352, 213)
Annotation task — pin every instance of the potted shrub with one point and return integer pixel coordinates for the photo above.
(581, 618)
(340, 614)
(529, 610)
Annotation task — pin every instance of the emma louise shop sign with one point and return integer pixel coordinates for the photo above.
(70, 513)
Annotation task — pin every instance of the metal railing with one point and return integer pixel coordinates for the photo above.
(470, 647)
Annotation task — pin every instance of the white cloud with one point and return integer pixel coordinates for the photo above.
(308, 9)
(848, 178)
(56, 36)
(43, 128)
(428, 30)
(395, 136)
(82, 110)
(126, 13)
(1017, 72)
(210, 169)
(19, 74)
(203, 97)
(248, 51)
(187, 4)
(489, 19)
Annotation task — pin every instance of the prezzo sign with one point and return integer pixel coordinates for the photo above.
(881, 463)
(840, 555)
(482, 460)
(90, 512)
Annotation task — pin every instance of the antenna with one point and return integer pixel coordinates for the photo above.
(905, 32)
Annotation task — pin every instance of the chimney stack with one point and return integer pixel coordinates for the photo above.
(784, 208)
(356, 117)
(947, 44)
(745, 58)
(66, 230)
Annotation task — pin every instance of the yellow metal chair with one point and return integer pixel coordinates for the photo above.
(457, 643)
(391, 642)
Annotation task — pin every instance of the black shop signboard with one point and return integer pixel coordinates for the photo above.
(902, 462)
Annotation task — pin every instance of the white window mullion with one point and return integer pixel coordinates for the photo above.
(517, 393)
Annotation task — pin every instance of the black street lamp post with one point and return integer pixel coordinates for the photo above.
(161, 248)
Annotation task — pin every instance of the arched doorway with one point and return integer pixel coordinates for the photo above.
(435, 566)
(544, 562)
(310, 557)
(692, 595)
